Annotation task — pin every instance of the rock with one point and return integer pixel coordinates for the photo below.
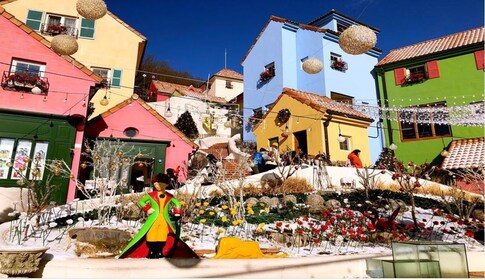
(290, 198)
(270, 181)
(266, 200)
(315, 202)
(395, 203)
(274, 202)
(332, 204)
(252, 200)
(478, 214)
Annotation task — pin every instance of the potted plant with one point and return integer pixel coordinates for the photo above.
(267, 74)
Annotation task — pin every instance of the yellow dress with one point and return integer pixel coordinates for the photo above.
(159, 230)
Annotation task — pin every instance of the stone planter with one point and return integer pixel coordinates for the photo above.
(20, 260)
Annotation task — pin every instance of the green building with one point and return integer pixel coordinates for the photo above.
(432, 92)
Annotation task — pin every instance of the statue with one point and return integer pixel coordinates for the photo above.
(159, 236)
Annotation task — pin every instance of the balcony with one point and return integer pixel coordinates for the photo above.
(57, 29)
(339, 65)
(24, 82)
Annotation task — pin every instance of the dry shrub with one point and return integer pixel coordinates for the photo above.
(432, 189)
(386, 186)
(250, 189)
(98, 249)
(129, 206)
(295, 185)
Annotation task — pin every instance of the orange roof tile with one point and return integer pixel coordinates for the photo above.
(189, 91)
(42, 40)
(445, 43)
(229, 74)
(465, 153)
(154, 113)
(320, 103)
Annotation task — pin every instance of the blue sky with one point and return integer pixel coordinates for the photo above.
(192, 35)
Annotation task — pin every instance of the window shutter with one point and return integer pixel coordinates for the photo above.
(34, 19)
(399, 75)
(87, 28)
(116, 79)
(479, 59)
(433, 70)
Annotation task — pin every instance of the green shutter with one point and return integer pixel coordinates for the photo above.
(116, 79)
(87, 28)
(34, 19)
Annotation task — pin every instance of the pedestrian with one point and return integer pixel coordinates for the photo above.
(354, 159)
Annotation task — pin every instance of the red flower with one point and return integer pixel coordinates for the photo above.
(363, 238)
(324, 227)
(279, 224)
(300, 232)
(470, 234)
(435, 223)
(402, 237)
(299, 222)
(316, 240)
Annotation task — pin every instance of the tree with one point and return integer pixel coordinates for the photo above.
(152, 68)
(186, 124)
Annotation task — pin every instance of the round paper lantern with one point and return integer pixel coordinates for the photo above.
(357, 39)
(312, 65)
(91, 9)
(64, 44)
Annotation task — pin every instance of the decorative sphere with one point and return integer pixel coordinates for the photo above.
(88, 150)
(357, 39)
(341, 139)
(104, 101)
(83, 165)
(91, 9)
(227, 124)
(64, 44)
(445, 153)
(312, 66)
(36, 90)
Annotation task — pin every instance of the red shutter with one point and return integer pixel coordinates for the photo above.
(479, 59)
(433, 70)
(399, 75)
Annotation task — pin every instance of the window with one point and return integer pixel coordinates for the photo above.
(339, 97)
(103, 72)
(428, 127)
(24, 66)
(341, 27)
(34, 19)
(56, 24)
(87, 28)
(337, 63)
(19, 150)
(116, 78)
(345, 145)
(228, 84)
(415, 74)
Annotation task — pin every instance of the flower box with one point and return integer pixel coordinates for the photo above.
(414, 78)
(24, 81)
(339, 65)
(267, 74)
(54, 29)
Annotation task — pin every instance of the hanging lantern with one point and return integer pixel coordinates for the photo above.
(357, 39)
(444, 153)
(312, 65)
(64, 44)
(104, 101)
(36, 90)
(91, 9)
(341, 139)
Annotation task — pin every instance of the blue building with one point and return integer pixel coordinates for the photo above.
(275, 59)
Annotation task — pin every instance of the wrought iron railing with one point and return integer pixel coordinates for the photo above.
(25, 82)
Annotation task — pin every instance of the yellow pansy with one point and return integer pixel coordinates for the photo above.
(224, 219)
(249, 205)
(206, 203)
(201, 211)
(251, 212)
(266, 209)
(237, 204)
(233, 212)
(224, 207)
(211, 213)
(197, 204)
(203, 221)
(261, 225)
(182, 202)
(234, 223)
(259, 230)
(220, 230)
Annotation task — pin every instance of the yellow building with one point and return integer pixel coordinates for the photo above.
(314, 125)
(108, 46)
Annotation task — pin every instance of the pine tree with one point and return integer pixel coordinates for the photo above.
(186, 124)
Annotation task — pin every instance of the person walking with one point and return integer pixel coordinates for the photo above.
(354, 159)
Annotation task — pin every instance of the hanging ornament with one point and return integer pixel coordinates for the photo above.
(312, 65)
(91, 9)
(357, 39)
(444, 153)
(283, 115)
(341, 139)
(104, 101)
(64, 44)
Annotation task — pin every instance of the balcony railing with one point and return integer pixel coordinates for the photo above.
(24, 82)
(56, 29)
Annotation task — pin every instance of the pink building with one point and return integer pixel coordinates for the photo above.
(43, 103)
(134, 122)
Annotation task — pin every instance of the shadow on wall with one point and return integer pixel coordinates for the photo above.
(9, 201)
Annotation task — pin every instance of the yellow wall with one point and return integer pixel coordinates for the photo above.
(114, 46)
(306, 118)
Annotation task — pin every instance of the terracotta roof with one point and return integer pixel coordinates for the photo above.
(324, 104)
(190, 91)
(171, 87)
(320, 103)
(229, 74)
(46, 43)
(465, 153)
(154, 113)
(445, 43)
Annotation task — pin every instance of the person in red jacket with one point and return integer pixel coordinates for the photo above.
(354, 159)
